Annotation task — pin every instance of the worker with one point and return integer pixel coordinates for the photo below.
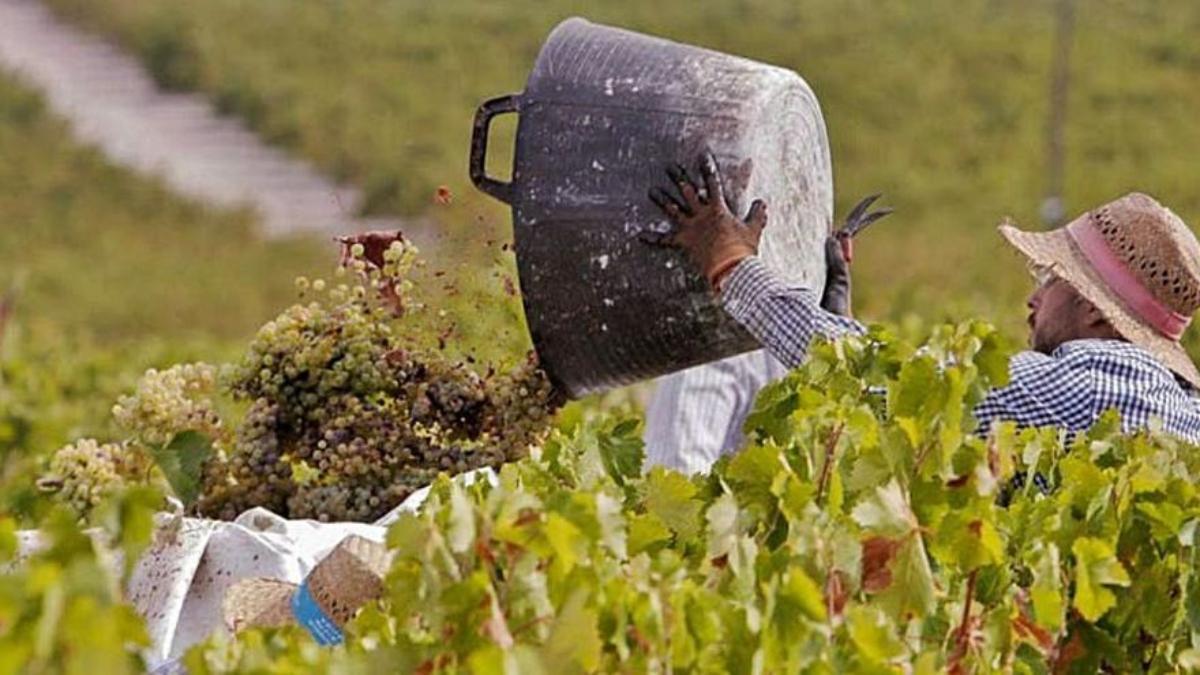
(1116, 288)
(696, 415)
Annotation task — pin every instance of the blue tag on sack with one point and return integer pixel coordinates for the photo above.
(310, 615)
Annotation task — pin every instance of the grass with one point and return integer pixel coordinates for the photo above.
(94, 249)
(939, 104)
(109, 273)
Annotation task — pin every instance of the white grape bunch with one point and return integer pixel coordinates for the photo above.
(168, 402)
(342, 418)
(83, 474)
(347, 418)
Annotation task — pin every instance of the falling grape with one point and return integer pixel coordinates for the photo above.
(343, 419)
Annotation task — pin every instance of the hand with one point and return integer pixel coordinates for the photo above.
(373, 243)
(839, 251)
(836, 299)
(704, 227)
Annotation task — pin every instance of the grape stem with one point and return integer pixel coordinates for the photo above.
(826, 468)
(962, 633)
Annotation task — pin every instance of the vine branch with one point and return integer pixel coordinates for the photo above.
(830, 450)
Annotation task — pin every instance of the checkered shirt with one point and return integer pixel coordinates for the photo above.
(1069, 388)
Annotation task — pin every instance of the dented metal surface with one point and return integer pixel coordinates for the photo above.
(603, 113)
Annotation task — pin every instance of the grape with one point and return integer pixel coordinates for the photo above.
(371, 419)
(344, 418)
(82, 474)
(169, 402)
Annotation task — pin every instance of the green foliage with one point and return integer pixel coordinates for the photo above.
(61, 608)
(182, 463)
(104, 274)
(856, 532)
(859, 531)
(334, 412)
(55, 389)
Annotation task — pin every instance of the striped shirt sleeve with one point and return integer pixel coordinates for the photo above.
(783, 318)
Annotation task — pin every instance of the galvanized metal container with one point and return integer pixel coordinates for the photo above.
(603, 113)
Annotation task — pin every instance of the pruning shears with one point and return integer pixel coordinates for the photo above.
(857, 221)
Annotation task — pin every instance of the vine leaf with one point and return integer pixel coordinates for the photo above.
(1096, 566)
(877, 556)
(895, 563)
(672, 497)
(182, 461)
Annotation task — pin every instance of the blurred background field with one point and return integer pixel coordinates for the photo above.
(941, 105)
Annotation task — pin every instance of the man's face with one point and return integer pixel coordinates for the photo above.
(1057, 313)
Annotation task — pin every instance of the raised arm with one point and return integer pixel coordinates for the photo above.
(784, 318)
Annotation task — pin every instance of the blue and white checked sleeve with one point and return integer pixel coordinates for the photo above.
(1042, 391)
(1069, 388)
(782, 317)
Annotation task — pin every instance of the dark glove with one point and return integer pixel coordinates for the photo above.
(839, 251)
(704, 226)
(836, 299)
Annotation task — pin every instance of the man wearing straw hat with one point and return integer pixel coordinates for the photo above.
(1116, 289)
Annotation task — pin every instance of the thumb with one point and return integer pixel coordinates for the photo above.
(757, 217)
(835, 258)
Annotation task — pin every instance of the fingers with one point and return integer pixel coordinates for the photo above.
(757, 217)
(712, 178)
(656, 238)
(669, 205)
(687, 188)
(836, 298)
(836, 262)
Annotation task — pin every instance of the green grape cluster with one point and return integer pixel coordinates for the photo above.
(168, 402)
(343, 417)
(521, 403)
(335, 389)
(86, 472)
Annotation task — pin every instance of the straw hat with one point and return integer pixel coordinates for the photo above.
(1137, 262)
(345, 580)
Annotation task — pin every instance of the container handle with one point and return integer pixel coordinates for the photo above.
(479, 142)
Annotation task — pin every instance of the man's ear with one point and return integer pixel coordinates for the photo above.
(1097, 321)
(1091, 313)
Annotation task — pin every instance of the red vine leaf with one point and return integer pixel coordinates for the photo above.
(877, 555)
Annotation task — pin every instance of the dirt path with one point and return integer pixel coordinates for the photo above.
(112, 103)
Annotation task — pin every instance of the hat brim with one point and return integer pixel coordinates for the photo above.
(1058, 252)
(258, 603)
